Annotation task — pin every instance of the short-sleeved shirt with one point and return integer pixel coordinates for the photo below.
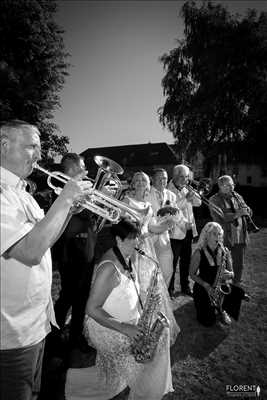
(26, 303)
(186, 207)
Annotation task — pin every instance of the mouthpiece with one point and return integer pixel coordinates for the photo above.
(140, 251)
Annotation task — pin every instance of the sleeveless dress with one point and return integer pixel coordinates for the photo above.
(116, 367)
(205, 311)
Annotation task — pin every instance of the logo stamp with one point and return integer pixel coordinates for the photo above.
(243, 390)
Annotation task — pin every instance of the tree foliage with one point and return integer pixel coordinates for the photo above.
(216, 79)
(33, 67)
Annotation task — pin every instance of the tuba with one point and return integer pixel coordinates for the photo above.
(100, 201)
(152, 321)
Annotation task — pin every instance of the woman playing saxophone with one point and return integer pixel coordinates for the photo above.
(215, 298)
(113, 311)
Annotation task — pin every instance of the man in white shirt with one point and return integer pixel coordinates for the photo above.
(26, 273)
(159, 195)
(181, 239)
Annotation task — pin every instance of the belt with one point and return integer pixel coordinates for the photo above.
(82, 235)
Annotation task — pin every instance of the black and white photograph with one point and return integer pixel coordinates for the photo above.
(133, 189)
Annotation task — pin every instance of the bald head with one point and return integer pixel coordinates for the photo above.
(226, 184)
(180, 169)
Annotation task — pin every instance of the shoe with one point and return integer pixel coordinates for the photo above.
(246, 297)
(187, 291)
(225, 318)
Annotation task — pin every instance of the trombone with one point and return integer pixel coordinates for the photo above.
(99, 203)
(204, 199)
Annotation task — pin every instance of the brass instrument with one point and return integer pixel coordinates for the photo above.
(152, 321)
(99, 203)
(199, 193)
(251, 226)
(107, 178)
(220, 287)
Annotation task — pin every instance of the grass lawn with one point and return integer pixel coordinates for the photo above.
(205, 360)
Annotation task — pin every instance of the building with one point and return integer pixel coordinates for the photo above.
(244, 163)
(132, 158)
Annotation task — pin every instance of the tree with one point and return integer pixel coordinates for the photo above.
(33, 68)
(215, 82)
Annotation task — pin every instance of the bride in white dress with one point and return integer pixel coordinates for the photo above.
(111, 324)
(151, 230)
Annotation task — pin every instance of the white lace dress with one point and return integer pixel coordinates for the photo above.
(115, 366)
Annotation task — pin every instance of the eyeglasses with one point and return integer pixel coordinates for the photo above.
(228, 185)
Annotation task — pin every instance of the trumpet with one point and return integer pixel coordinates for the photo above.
(99, 203)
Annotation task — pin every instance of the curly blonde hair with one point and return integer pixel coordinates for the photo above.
(208, 228)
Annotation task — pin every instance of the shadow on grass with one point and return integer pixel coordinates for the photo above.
(194, 339)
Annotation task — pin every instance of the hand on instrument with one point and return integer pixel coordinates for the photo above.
(76, 191)
(242, 212)
(132, 331)
(167, 223)
(245, 211)
(227, 275)
(190, 195)
(157, 298)
(208, 288)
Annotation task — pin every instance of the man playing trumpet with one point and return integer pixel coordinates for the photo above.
(26, 274)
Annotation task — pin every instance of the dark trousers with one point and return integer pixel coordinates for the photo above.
(205, 311)
(20, 372)
(76, 275)
(238, 257)
(181, 252)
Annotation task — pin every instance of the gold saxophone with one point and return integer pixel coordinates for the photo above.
(220, 287)
(152, 321)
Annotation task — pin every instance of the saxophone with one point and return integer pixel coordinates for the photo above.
(152, 321)
(220, 287)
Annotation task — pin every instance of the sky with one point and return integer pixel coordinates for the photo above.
(113, 90)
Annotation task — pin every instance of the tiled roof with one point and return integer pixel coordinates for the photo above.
(134, 155)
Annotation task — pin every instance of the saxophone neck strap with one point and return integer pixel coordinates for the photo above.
(127, 267)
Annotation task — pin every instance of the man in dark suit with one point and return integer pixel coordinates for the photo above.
(74, 254)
